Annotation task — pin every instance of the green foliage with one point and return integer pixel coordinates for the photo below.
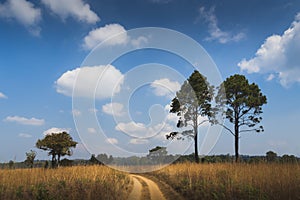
(11, 164)
(289, 159)
(46, 164)
(94, 161)
(158, 155)
(101, 159)
(241, 104)
(104, 159)
(58, 144)
(271, 156)
(66, 162)
(192, 101)
(30, 156)
(158, 151)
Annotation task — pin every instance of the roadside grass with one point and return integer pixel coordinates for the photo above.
(78, 182)
(233, 181)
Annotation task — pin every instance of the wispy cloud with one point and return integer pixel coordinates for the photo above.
(25, 135)
(215, 31)
(114, 109)
(112, 141)
(76, 112)
(165, 87)
(138, 141)
(25, 121)
(91, 130)
(72, 8)
(160, 1)
(23, 12)
(2, 96)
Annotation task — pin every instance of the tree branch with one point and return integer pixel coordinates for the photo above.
(248, 130)
(203, 122)
(228, 129)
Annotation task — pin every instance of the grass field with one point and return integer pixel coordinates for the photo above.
(192, 181)
(233, 181)
(82, 182)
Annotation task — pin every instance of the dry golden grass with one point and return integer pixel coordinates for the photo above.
(82, 182)
(233, 181)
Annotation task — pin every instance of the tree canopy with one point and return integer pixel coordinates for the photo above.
(30, 156)
(192, 101)
(57, 144)
(241, 104)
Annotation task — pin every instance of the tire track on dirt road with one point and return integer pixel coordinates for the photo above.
(136, 193)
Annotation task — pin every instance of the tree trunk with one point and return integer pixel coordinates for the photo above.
(236, 141)
(195, 126)
(53, 161)
(236, 137)
(196, 146)
(58, 160)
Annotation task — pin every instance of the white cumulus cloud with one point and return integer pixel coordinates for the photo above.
(131, 127)
(25, 121)
(112, 141)
(97, 81)
(279, 55)
(165, 87)
(2, 96)
(72, 8)
(114, 109)
(111, 35)
(54, 130)
(142, 131)
(101, 34)
(214, 30)
(24, 12)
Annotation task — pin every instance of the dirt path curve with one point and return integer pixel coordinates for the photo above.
(136, 194)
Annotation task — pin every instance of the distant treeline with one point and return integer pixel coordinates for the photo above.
(102, 159)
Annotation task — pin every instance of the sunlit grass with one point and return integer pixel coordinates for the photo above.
(80, 182)
(233, 181)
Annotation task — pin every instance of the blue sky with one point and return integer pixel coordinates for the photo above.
(44, 44)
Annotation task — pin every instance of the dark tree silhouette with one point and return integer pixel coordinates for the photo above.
(58, 145)
(157, 155)
(30, 156)
(241, 104)
(271, 156)
(192, 101)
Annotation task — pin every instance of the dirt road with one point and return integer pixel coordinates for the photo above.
(144, 188)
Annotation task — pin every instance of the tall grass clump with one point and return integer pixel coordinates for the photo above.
(233, 181)
(80, 182)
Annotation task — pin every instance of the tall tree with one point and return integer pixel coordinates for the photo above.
(241, 104)
(30, 156)
(58, 145)
(192, 101)
(11, 164)
(271, 156)
(157, 155)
